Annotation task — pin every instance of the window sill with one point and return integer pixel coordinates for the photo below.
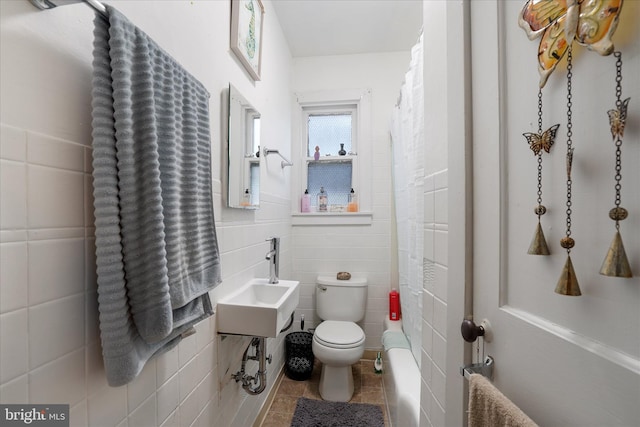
(331, 218)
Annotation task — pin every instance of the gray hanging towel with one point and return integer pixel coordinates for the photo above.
(156, 246)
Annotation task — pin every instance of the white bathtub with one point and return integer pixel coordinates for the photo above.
(401, 383)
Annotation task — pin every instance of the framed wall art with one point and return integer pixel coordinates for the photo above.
(246, 34)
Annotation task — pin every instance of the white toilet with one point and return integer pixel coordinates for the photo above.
(338, 342)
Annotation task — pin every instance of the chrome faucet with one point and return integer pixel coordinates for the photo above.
(273, 256)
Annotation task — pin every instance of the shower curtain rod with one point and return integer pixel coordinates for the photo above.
(50, 4)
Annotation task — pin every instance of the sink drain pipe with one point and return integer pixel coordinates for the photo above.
(257, 383)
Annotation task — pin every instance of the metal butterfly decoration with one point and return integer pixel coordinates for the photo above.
(617, 119)
(538, 142)
(590, 22)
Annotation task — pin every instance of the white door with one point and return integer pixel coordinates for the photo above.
(564, 360)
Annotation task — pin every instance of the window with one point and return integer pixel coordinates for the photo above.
(333, 129)
(331, 133)
(335, 177)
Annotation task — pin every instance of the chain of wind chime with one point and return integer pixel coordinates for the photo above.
(542, 141)
(568, 282)
(616, 263)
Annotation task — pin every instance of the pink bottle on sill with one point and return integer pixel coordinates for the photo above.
(305, 202)
(394, 305)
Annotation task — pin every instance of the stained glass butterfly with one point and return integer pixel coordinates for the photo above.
(617, 119)
(538, 142)
(590, 22)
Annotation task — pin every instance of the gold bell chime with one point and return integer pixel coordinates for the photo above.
(616, 263)
(538, 244)
(540, 142)
(568, 282)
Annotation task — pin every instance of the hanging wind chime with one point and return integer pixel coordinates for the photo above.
(568, 282)
(591, 23)
(616, 263)
(540, 142)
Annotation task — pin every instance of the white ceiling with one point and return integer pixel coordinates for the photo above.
(340, 27)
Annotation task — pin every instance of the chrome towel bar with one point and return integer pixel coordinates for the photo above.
(266, 151)
(50, 4)
(485, 368)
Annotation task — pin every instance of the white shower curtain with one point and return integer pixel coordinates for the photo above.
(407, 134)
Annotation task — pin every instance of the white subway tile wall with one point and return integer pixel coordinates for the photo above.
(434, 336)
(49, 337)
(55, 329)
(13, 187)
(14, 332)
(13, 264)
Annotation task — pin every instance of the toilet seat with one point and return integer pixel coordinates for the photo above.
(339, 334)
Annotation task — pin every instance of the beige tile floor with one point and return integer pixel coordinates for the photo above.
(367, 389)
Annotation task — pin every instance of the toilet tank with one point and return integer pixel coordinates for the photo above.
(344, 300)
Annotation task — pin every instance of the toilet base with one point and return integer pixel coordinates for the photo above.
(336, 383)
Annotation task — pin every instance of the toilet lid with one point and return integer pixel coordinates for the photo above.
(337, 334)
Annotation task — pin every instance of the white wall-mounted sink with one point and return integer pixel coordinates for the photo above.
(258, 308)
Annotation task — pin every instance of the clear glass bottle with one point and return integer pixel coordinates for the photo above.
(323, 200)
(352, 206)
(246, 198)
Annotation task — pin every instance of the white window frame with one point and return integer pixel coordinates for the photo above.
(358, 102)
(250, 142)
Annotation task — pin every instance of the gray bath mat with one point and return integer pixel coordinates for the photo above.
(321, 413)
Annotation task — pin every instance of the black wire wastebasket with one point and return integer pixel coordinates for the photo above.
(299, 355)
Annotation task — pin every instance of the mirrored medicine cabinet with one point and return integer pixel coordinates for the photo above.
(244, 153)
